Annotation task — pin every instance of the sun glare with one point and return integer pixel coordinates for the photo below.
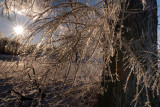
(18, 30)
(20, 12)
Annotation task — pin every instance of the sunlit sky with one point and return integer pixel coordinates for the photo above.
(7, 27)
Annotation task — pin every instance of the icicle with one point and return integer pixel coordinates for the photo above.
(112, 51)
(144, 3)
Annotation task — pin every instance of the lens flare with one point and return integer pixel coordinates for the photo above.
(18, 30)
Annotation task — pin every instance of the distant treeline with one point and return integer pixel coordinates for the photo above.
(8, 46)
(13, 47)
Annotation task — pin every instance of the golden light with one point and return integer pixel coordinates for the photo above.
(20, 12)
(19, 30)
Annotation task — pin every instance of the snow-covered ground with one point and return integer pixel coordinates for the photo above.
(15, 74)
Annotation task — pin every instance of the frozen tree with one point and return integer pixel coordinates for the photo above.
(137, 56)
(115, 42)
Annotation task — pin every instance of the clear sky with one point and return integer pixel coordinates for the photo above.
(6, 27)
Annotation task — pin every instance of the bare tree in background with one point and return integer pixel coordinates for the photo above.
(116, 42)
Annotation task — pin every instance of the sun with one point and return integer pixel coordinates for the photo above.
(19, 30)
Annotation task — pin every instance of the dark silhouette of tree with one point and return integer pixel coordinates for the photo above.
(139, 28)
(8, 46)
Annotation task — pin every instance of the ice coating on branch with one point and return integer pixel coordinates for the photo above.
(144, 3)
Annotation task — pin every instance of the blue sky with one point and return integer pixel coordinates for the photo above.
(6, 27)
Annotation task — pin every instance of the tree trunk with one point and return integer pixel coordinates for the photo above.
(142, 25)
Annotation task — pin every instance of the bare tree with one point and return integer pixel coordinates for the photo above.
(116, 43)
